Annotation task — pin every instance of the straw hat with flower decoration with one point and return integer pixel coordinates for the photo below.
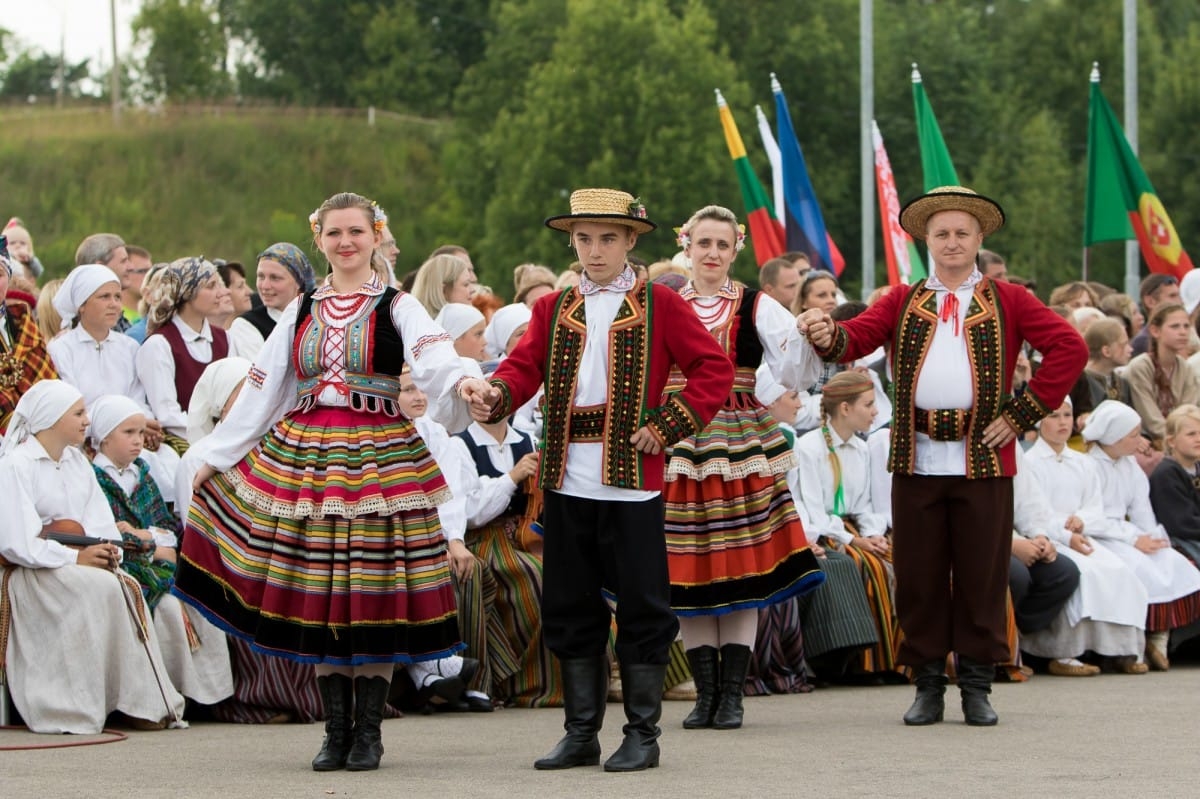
(609, 206)
(914, 217)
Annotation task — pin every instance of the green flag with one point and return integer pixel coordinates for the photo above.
(936, 165)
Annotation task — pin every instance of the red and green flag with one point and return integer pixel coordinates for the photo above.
(1121, 203)
(766, 232)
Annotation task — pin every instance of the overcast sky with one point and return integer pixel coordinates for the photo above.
(82, 24)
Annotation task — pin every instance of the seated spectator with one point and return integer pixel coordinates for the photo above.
(1122, 308)
(486, 302)
(443, 279)
(283, 273)
(1132, 532)
(20, 251)
(1175, 485)
(992, 265)
(1073, 295)
(140, 264)
(1160, 378)
(23, 356)
(1155, 290)
(1057, 493)
(181, 341)
(106, 249)
(49, 323)
(78, 649)
(194, 651)
(532, 282)
(465, 325)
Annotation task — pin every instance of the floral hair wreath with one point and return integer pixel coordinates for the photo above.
(380, 218)
(684, 238)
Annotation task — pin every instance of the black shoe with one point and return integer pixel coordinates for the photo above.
(479, 704)
(735, 663)
(703, 660)
(585, 691)
(642, 689)
(370, 696)
(929, 707)
(337, 695)
(974, 685)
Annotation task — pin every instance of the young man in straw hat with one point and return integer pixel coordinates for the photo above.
(954, 342)
(604, 351)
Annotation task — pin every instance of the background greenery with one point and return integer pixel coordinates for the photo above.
(500, 107)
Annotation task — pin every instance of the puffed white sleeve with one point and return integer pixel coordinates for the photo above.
(454, 466)
(156, 370)
(21, 524)
(268, 393)
(789, 355)
(245, 338)
(812, 478)
(436, 368)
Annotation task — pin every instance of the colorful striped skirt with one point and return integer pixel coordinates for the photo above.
(283, 552)
(734, 540)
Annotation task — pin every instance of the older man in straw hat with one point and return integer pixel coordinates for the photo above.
(604, 351)
(954, 343)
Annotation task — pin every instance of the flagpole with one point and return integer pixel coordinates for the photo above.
(866, 114)
(1132, 260)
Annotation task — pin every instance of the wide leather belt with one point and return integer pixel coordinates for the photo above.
(943, 424)
(587, 424)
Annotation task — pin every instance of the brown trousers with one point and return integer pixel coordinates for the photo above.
(952, 540)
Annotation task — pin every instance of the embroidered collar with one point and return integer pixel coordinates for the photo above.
(621, 284)
(727, 291)
(372, 288)
(934, 283)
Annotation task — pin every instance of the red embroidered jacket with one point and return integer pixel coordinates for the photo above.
(653, 331)
(999, 317)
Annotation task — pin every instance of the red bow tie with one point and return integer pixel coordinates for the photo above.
(950, 310)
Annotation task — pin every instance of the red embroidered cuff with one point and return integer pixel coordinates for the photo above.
(673, 421)
(504, 406)
(837, 347)
(1024, 411)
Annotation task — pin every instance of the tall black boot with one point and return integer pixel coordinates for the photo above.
(642, 685)
(703, 660)
(337, 695)
(585, 692)
(370, 696)
(974, 684)
(735, 662)
(930, 704)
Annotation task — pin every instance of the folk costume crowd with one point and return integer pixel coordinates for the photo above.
(351, 493)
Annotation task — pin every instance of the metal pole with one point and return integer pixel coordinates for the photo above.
(114, 78)
(1132, 256)
(866, 113)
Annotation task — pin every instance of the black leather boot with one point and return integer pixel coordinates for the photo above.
(337, 695)
(642, 686)
(585, 692)
(974, 684)
(735, 662)
(703, 660)
(930, 705)
(370, 696)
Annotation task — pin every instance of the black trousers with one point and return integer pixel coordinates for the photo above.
(596, 545)
(1040, 591)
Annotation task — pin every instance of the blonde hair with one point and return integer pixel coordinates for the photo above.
(527, 277)
(659, 268)
(1176, 418)
(1069, 291)
(434, 277)
(717, 213)
(49, 321)
(844, 387)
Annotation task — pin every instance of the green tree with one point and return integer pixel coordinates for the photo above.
(407, 63)
(626, 101)
(33, 73)
(187, 46)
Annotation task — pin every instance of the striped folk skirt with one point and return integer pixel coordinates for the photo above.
(323, 545)
(734, 539)
(879, 581)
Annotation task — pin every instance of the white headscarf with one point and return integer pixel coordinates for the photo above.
(38, 409)
(456, 318)
(211, 393)
(766, 388)
(1110, 422)
(107, 413)
(504, 322)
(83, 282)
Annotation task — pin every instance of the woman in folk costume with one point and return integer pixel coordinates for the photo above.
(283, 272)
(1133, 533)
(835, 487)
(825, 629)
(1175, 483)
(734, 541)
(23, 356)
(195, 652)
(1058, 494)
(181, 342)
(314, 532)
(80, 642)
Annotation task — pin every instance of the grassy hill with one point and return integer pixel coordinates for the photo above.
(220, 182)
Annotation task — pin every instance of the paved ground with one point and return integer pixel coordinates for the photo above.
(1112, 735)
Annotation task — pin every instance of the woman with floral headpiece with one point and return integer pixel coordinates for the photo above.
(314, 533)
(180, 340)
(734, 541)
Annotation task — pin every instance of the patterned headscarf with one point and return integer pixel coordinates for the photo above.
(177, 284)
(293, 259)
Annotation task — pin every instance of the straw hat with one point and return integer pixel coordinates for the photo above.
(604, 205)
(914, 217)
